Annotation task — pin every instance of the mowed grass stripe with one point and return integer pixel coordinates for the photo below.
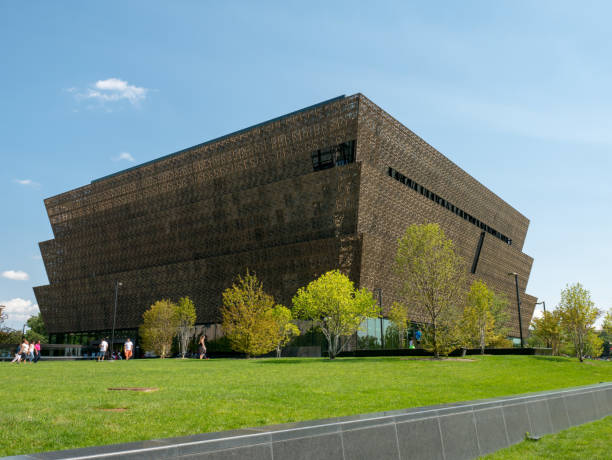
(60, 405)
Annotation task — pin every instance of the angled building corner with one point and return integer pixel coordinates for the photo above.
(329, 186)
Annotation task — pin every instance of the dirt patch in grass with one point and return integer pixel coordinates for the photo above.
(142, 389)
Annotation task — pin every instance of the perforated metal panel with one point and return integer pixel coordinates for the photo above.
(187, 223)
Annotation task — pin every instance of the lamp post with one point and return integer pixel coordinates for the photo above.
(543, 303)
(382, 335)
(518, 303)
(117, 284)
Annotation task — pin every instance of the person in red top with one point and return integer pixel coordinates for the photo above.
(37, 351)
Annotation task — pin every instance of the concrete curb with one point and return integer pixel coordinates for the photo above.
(449, 432)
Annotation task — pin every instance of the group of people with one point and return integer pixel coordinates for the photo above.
(417, 336)
(27, 352)
(128, 349)
(30, 351)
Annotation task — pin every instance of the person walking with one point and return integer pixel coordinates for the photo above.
(31, 352)
(202, 347)
(25, 347)
(17, 357)
(127, 349)
(103, 348)
(37, 351)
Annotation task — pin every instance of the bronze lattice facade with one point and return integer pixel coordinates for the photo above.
(330, 186)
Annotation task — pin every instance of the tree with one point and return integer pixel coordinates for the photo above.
(186, 318)
(606, 326)
(247, 317)
(37, 329)
(432, 280)
(548, 329)
(578, 316)
(398, 315)
(478, 319)
(335, 306)
(7, 335)
(606, 331)
(593, 345)
(500, 313)
(159, 327)
(285, 329)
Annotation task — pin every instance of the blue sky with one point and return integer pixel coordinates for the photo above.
(517, 93)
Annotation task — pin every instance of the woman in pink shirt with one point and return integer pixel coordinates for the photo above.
(37, 351)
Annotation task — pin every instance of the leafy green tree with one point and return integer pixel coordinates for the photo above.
(594, 345)
(10, 336)
(285, 328)
(478, 315)
(186, 318)
(7, 335)
(37, 329)
(432, 278)
(578, 316)
(606, 330)
(398, 315)
(500, 312)
(606, 326)
(334, 305)
(548, 330)
(159, 327)
(446, 336)
(247, 317)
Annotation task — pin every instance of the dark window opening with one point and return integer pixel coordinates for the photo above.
(337, 155)
(434, 197)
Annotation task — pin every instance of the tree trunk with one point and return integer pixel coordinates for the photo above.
(278, 352)
(482, 339)
(435, 342)
(463, 352)
(332, 347)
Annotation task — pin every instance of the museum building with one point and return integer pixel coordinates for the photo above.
(330, 186)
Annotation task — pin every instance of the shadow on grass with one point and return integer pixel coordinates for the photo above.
(322, 360)
(552, 358)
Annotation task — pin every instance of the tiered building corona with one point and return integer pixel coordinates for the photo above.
(330, 186)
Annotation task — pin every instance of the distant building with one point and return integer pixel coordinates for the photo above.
(331, 186)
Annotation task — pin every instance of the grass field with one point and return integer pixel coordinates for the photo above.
(591, 441)
(60, 405)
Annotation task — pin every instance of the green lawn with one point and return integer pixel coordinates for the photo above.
(59, 405)
(591, 441)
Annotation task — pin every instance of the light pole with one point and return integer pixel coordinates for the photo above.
(543, 303)
(518, 303)
(382, 335)
(117, 284)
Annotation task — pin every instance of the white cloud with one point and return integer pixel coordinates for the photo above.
(112, 90)
(18, 311)
(16, 275)
(27, 182)
(124, 156)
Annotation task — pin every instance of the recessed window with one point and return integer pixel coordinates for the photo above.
(337, 155)
(441, 201)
